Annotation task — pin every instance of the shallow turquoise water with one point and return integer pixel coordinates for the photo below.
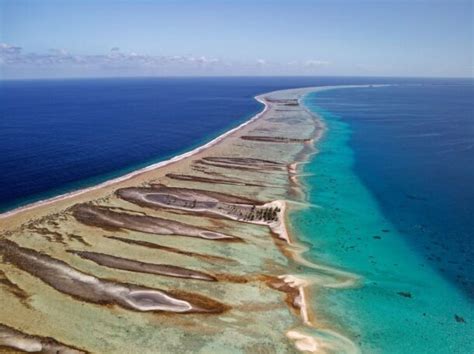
(402, 304)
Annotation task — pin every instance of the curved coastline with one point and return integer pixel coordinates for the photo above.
(306, 335)
(136, 172)
(172, 160)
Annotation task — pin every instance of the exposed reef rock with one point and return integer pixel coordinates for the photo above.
(191, 178)
(273, 139)
(209, 203)
(198, 201)
(242, 163)
(85, 287)
(16, 340)
(142, 267)
(105, 218)
(201, 256)
(14, 289)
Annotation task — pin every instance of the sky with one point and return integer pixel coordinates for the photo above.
(105, 38)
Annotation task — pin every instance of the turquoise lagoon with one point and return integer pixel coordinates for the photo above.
(401, 304)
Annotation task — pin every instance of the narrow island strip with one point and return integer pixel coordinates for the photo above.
(193, 252)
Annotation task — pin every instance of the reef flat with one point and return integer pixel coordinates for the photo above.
(193, 255)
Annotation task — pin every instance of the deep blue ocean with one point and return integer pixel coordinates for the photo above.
(393, 179)
(61, 135)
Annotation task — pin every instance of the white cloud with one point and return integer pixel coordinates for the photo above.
(316, 63)
(6, 49)
(59, 52)
(13, 56)
(118, 62)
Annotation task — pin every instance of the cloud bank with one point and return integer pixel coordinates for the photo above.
(15, 62)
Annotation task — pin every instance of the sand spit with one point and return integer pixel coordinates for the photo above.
(190, 254)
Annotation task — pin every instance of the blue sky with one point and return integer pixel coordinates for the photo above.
(86, 38)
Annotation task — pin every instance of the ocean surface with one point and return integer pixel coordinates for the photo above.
(57, 136)
(392, 182)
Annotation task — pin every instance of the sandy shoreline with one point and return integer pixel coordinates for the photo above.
(157, 165)
(218, 198)
(136, 172)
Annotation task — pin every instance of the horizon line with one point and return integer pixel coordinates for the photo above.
(46, 78)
